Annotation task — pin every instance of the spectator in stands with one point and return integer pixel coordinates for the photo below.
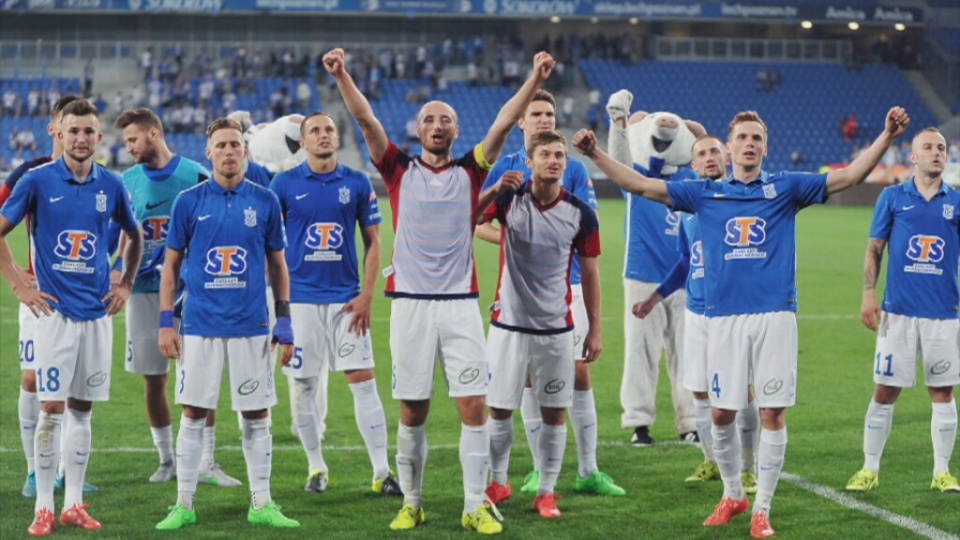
(567, 107)
(88, 79)
(33, 102)
(13, 140)
(764, 81)
(849, 128)
(26, 141)
(53, 95)
(146, 63)
(10, 99)
(304, 95)
(796, 157)
(593, 118)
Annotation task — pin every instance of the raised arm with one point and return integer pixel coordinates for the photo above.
(896, 123)
(618, 144)
(869, 308)
(509, 180)
(626, 177)
(512, 110)
(373, 132)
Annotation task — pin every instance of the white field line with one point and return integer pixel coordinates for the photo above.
(921, 529)
(846, 501)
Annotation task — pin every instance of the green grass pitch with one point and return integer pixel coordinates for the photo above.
(825, 433)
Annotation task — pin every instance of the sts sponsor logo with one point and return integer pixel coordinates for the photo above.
(154, 231)
(696, 260)
(225, 263)
(925, 251)
(742, 234)
(322, 241)
(76, 247)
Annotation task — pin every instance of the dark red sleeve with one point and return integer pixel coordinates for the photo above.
(587, 241)
(393, 163)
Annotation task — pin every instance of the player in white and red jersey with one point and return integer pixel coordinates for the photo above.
(542, 227)
(432, 280)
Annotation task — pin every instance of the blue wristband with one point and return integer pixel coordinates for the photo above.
(166, 319)
(118, 264)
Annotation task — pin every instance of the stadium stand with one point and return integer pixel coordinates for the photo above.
(802, 112)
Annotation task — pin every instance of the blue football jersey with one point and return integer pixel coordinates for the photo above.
(321, 213)
(749, 238)
(576, 180)
(226, 235)
(923, 240)
(69, 222)
(153, 192)
(651, 232)
(691, 248)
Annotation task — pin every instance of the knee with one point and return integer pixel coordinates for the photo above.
(552, 416)
(28, 381)
(500, 414)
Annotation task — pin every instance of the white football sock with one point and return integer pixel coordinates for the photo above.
(29, 409)
(943, 431)
(553, 441)
(208, 446)
(411, 458)
(189, 443)
(47, 450)
(372, 423)
(530, 415)
(726, 450)
(876, 429)
(583, 416)
(257, 449)
(773, 448)
(307, 425)
(704, 419)
(76, 457)
(501, 441)
(163, 440)
(475, 461)
(748, 420)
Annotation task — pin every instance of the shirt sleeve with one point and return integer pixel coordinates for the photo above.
(368, 213)
(276, 186)
(582, 184)
(677, 276)
(587, 241)
(11, 182)
(22, 200)
(123, 212)
(685, 196)
(179, 228)
(809, 188)
(276, 235)
(882, 216)
(393, 163)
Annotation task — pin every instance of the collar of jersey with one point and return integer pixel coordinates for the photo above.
(910, 186)
(67, 176)
(763, 178)
(217, 189)
(335, 174)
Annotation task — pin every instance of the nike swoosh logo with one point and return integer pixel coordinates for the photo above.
(203, 218)
(298, 197)
(152, 206)
(55, 199)
(908, 207)
(718, 195)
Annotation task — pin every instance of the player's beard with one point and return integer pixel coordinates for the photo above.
(77, 157)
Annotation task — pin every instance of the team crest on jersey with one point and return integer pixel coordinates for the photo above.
(770, 191)
(344, 195)
(250, 217)
(76, 247)
(948, 211)
(101, 202)
(742, 234)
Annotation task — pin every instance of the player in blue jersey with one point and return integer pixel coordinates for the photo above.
(71, 202)
(28, 406)
(710, 162)
(748, 227)
(228, 233)
(918, 222)
(154, 182)
(323, 203)
(540, 116)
